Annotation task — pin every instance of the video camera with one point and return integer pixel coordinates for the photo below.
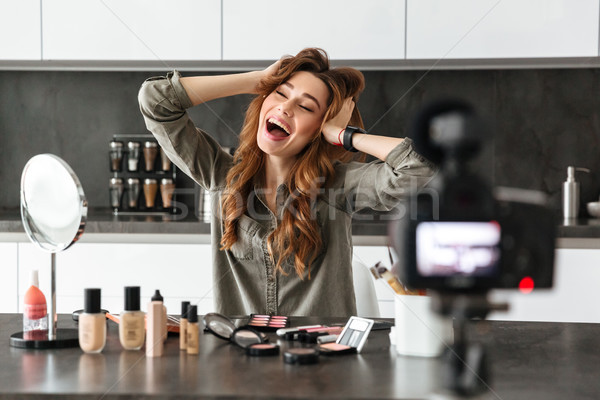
(462, 236)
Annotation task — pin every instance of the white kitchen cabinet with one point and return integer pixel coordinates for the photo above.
(155, 30)
(20, 36)
(8, 280)
(346, 29)
(575, 296)
(184, 272)
(180, 271)
(501, 29)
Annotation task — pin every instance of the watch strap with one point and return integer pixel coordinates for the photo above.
(350, 130)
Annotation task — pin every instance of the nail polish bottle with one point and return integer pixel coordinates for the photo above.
(154, 330)
(158, 297)
(92, 323)
(193, 332)
(131, 326)
(183, 323)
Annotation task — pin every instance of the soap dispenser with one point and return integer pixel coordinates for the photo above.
(570, 193)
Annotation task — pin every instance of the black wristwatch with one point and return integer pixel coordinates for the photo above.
(350, 130)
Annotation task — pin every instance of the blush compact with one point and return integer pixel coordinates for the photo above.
(301, 355)
(262, 349)
(268, 323)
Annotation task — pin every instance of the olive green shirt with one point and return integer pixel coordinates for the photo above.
(243, 276)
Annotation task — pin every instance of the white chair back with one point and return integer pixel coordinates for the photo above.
(364, 290)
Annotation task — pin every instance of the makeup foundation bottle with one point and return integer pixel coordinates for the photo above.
(131, 325)
(183, 324)
(163, 325)
(193, 333)
(154, 328)
(92, 323)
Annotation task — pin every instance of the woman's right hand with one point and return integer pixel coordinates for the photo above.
(270, 70)
(333, 127)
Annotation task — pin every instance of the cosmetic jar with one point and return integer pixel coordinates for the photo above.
(262, 349)
(302, 355)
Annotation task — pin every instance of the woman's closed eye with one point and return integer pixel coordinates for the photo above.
(306, 108)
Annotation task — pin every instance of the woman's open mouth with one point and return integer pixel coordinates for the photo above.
(276, 129)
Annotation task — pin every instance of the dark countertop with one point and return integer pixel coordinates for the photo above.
(530, 360)
(581, 228)
(102, 220)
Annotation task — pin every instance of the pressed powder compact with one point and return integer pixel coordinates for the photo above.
(302, 355)
(268, 323)
(262, 349)
(351, 340)
(335, 349)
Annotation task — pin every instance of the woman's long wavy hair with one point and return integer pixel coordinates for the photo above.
(297, 237)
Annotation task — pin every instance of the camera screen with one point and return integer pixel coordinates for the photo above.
(446, 249)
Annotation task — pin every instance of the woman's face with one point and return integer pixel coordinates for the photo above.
(292, 114)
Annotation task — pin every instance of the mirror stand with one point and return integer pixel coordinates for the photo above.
(55, 338)
(53, 211)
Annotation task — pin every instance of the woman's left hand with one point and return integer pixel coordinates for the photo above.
(333, 127)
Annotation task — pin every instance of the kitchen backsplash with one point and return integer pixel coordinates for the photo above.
(543, 121)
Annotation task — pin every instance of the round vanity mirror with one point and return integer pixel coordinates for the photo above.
(53, 205)
(53, 211)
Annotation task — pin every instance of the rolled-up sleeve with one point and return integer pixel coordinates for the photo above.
(163, 102)
(382, 185)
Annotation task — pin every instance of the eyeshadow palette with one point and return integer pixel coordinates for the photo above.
(268, 323)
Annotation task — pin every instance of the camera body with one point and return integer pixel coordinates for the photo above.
(462, 236)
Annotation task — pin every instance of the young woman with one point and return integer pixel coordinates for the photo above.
(282, 205)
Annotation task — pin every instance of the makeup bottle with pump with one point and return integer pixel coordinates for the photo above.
(92, 323)
(183, 323)
(35, 315)
(131, 326)
(158, 298)
(193, 332)
(154, 328)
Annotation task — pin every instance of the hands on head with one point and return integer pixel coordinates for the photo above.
(333, 127)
